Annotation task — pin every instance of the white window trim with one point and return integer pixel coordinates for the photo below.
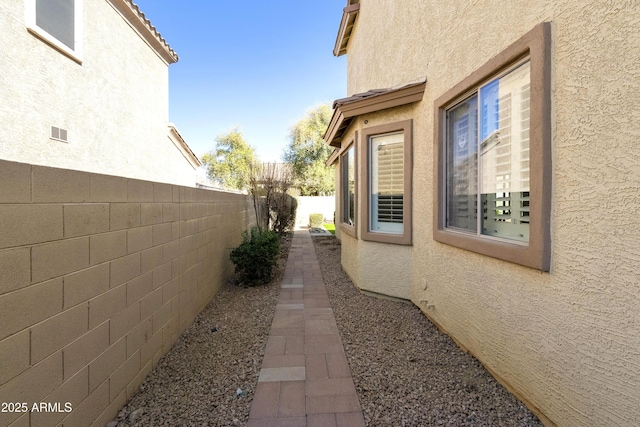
(33, 28)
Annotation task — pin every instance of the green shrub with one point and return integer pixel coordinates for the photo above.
(256, 256)
(316, 220)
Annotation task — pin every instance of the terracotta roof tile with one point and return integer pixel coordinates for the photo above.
(371, 93)
(345, 109)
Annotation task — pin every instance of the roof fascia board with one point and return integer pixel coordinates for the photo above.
(131, 13)
(386, 100)
(349, 15)
(333, 157)
(334, 125)
(184, 148)
(343, 114)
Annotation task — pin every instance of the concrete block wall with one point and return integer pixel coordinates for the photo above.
(98, 277)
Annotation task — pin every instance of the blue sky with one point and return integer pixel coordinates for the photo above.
(258, 65)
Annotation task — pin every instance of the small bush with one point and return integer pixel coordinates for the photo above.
(256, 256)
(316, 220)
(283, 216)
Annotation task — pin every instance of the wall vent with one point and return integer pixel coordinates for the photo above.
(59, 134)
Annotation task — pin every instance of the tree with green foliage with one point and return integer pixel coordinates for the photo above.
(308, 152)
(229, 164)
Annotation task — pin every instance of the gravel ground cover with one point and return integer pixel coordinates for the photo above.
(197, 382)
(407, 372)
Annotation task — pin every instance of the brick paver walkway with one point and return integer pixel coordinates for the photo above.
(305, 378)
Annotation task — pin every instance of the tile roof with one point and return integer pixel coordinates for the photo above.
(370, 93)
(345, 109)
(137, 19)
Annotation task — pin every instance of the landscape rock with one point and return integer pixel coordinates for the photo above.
(406, 372)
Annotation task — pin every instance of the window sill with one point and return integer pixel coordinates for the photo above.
(348, 230)
(529, 255)
(394, 239)
(54, 43)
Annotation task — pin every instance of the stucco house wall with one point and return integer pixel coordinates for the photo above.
(114, 104)
(373, 266)
(565, 340)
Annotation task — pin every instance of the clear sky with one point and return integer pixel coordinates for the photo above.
(255, 64)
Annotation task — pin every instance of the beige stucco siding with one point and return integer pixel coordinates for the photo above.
(565, 341)
(375, 267)
(114, 105)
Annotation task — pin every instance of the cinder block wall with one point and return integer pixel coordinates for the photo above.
(98, 277)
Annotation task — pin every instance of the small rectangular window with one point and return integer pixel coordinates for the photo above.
(59, 134)
(58, 22)
(348, 190)
(388, 153)
(387, 183)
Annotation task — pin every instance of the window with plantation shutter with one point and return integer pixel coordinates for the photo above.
(388, 184)
(487, 145)
(493, 156)
(348, 190)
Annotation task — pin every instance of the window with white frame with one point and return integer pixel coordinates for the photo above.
(387, 188)
(493, 156)
(58, 22)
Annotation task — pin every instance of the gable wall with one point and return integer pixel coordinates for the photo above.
(114, 105)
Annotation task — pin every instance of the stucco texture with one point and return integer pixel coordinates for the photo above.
(566, 341)
(114, 105)
(375, 267)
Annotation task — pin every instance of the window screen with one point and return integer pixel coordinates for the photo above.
(57, 18)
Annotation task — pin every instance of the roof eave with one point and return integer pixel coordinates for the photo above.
(333, 158)
(336, 123)
(184, 148)
(349, 15)
(137, 20)
(393, 98)
(345, 111)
